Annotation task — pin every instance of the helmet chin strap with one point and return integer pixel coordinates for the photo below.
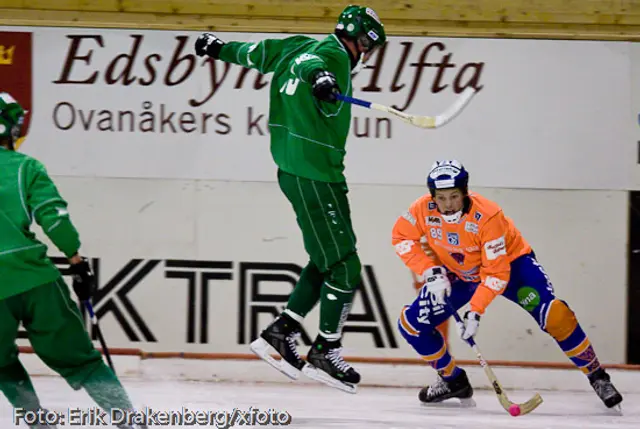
(452, 218)
(455, 218)
(358, 67)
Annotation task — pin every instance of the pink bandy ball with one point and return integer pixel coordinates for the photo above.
(514, 410)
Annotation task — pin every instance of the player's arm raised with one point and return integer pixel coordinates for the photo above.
(263, 56)
(327, 72)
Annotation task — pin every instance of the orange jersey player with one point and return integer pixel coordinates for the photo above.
(476, 254)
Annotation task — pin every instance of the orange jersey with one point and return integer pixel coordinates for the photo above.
(479, 248)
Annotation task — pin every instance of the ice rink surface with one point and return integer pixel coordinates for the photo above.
(312, 406)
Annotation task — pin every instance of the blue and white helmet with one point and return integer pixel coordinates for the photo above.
(448, 175)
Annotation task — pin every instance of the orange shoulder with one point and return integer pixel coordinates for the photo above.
(482, 209)
(422, 206)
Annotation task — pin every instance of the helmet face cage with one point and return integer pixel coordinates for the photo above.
(363, 25)
(11, 119)
(366, 42)
(15, 130)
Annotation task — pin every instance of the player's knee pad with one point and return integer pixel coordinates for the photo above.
(408, 327)
(560, 320)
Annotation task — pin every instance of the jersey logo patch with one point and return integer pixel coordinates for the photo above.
(471, 227)
(408, 216)
(434, 221)
(432, 205)
(495, 284)
(477, 216)
(453, 239)
(458, 257)
(495, 248)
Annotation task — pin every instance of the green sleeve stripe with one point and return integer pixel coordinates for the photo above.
(250, 51)
(21, 191)
(55, 225)
(238, 56)
(263, 57)
(35, 209)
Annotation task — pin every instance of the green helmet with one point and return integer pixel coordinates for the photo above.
(11, 118)
(361, 23)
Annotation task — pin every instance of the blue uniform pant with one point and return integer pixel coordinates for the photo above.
(529, 287)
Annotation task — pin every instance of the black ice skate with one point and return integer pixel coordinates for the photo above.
(281, 336)
(325, 364)
(601, 383)
(458, 388)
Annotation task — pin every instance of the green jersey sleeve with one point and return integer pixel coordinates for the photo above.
(267, 54)
(49, 209)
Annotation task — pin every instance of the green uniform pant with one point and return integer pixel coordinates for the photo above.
(58, 336)
(333, 272)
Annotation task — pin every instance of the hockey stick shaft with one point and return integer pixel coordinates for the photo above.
(103, 343)
(525, 407)
(416, 120)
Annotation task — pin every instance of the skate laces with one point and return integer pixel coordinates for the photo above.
(604, 387)
(438, 388)
(336, 359)
(291, 339)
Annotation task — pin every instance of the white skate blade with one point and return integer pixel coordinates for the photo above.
(316, 374)
(615, 410)
(451, 403)
(261, 349)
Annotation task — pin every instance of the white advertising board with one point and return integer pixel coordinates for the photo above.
(198, 266)
(140, 104)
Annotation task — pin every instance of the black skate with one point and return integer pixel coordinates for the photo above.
(281, 335)
(441, 390)
(325, 364)
(601, 383)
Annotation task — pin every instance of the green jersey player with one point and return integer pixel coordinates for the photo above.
(32, 290)
(309, 129)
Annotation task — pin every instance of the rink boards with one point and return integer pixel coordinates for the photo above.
(164, 159)
(204, 266)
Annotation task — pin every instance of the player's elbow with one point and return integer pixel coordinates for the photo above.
(497, 284)
(50, 215)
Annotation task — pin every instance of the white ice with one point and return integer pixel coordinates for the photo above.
(317, 406)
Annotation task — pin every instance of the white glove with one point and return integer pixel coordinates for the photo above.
(469, 327)
(438, 284)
